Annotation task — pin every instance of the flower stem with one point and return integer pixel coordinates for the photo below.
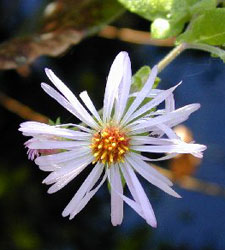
(171, 56)
(208, 48)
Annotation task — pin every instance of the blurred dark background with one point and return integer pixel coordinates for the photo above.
(31, 219)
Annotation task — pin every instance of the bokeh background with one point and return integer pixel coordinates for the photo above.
(31, 219)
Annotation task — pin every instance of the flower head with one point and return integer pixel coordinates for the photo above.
(112, 142)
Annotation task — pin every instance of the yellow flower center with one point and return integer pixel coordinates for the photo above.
(109, 145)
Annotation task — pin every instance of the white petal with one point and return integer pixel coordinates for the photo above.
(116, 200)
(168, 131)
(69, 95)
(48, 168)
(153, 103)
(61, 86)
(124, 89)
(141, 95)
(89, 104)
(177, 120)
(62, 157)
(63, 181)
(71, 104)
(145, 126)
(141, 140)
(75, 110)
(148, 168)
(165, 128)
(133, 204)
(139, 194)
(55, 144)
(181, 148)
(113, 81)
(147, 174)
(170, 103)
(73, 166)
(136, 206)
(85, 129)
(36, 128)
(87, 185)
(163, 158)
(153, 93)
(146, 118)
(87, 197)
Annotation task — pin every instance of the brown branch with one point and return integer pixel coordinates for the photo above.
(134, 36)
(21, 109)
(20, 51)
(62, 24)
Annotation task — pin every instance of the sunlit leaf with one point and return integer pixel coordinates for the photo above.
(201, 6)
(152, 9)
(208, 28)
(168, 17)
(163, 28)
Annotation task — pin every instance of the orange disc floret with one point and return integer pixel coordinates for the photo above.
(110, 145)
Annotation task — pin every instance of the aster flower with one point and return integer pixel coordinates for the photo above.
(111, 143)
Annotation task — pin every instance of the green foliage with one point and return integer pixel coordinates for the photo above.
(200, 6)
(162, 28)
(152, 9)
(168, 17)
(205, 22)
(57, 122)
(207, 28)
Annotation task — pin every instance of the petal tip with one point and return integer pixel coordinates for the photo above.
(47, 70)
(123, 53)
(178, 196)
(64, 214)
(154, 224)
(50, 191)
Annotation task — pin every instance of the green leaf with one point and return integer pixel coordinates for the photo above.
(168, 16)
(57, 122)
(201, 6)
(208, 28)
(163, 28)
(152, 9)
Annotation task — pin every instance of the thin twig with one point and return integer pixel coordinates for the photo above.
(134, 36)
(20, 109)
(171, 56)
